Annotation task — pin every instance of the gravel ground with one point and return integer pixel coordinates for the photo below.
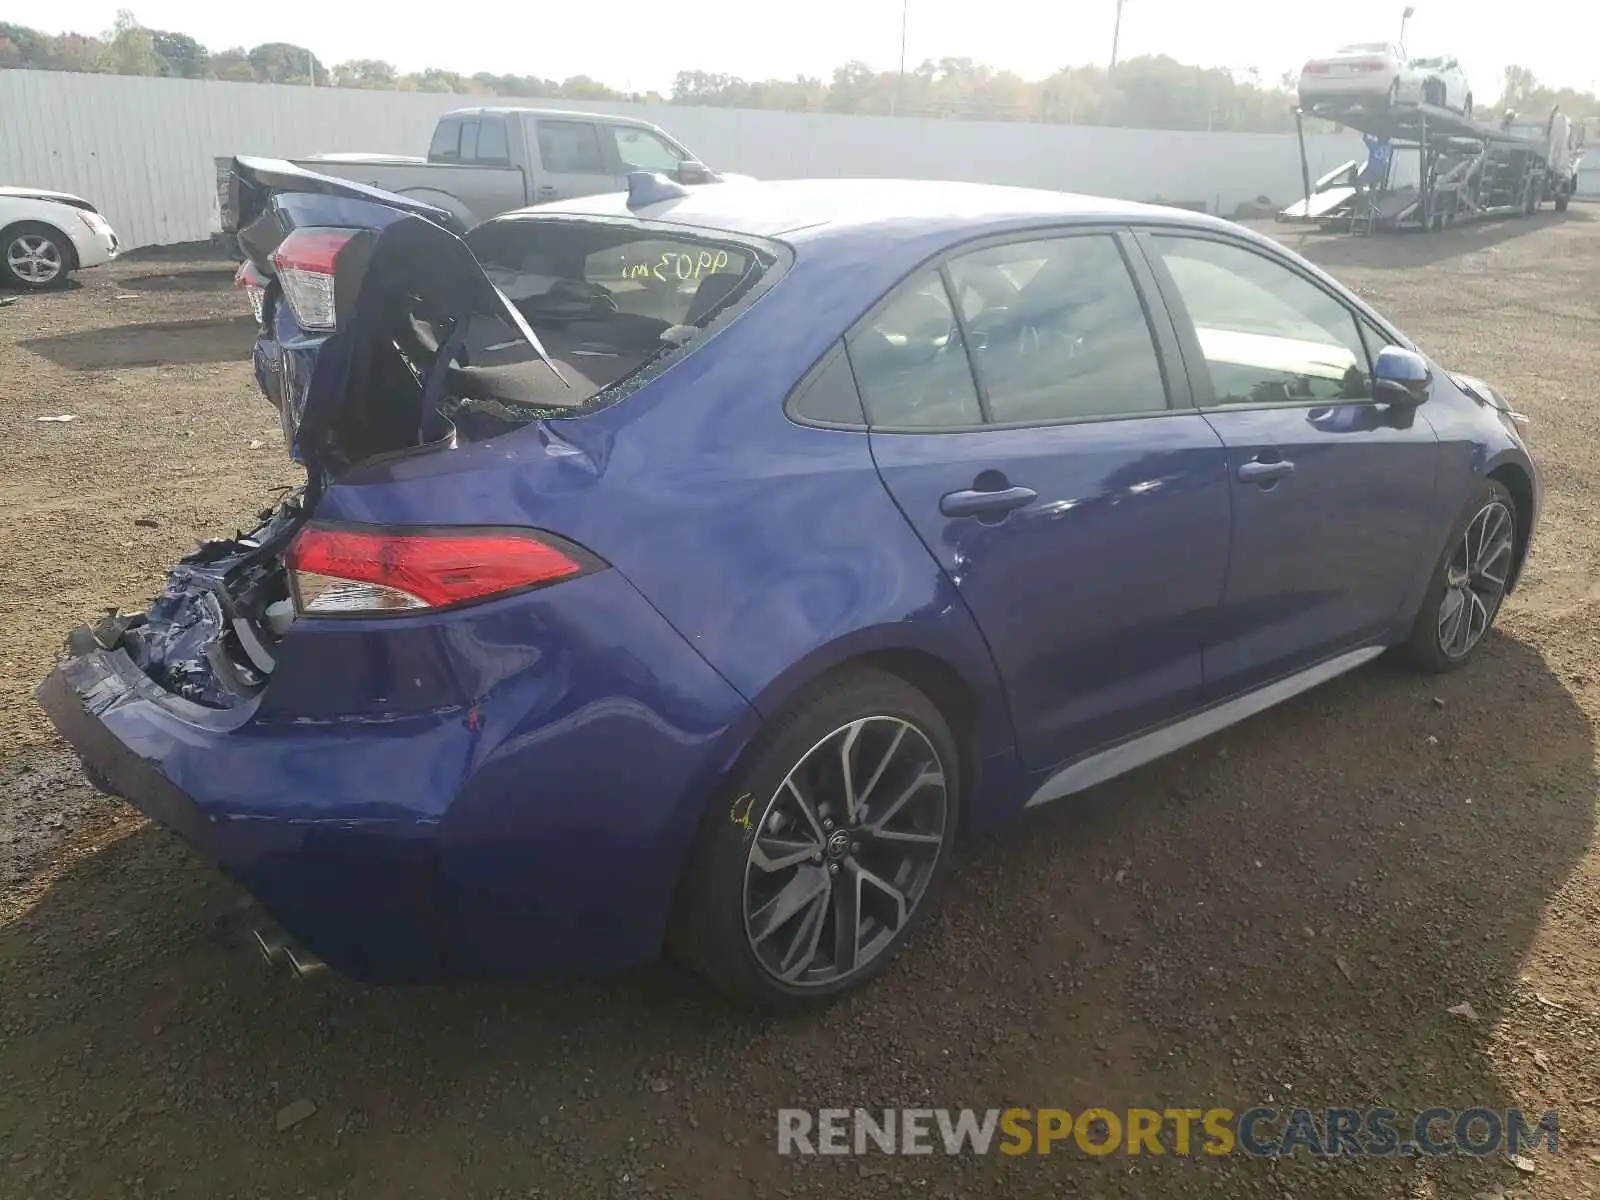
(1282, 915)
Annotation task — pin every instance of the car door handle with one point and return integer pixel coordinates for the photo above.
(1265, 472)
(544, 193)
(970, 503)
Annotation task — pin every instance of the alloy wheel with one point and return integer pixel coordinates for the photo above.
(34, 258)
(1475, 579)
(844, 851)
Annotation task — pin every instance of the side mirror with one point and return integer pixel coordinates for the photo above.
(690, 171)
(1401, 376)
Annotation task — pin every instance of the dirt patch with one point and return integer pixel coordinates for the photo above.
(1284, 914)
(42, 804)
(218, 279)
(154, 344)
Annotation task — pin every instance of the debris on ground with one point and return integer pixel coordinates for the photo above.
(291, 1115)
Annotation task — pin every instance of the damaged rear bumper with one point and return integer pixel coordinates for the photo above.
(361, 890)
(538, 827)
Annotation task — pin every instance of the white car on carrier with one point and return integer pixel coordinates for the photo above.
(1382, 71)
(46, 235)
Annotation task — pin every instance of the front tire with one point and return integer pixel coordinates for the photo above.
(817, 864)
(1469, 582)
(34, 256)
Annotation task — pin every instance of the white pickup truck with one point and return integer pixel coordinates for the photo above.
(486, 161)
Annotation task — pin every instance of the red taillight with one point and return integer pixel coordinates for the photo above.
(363, 572)
(304, 262)
(254, 286)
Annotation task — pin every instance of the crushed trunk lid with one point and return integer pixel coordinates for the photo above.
(370, 303)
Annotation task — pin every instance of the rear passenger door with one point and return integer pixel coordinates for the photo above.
(1332, 489)
(572, 161)
(1029, 416)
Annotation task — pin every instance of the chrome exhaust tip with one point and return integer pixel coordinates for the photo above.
(302, 962)
(279, 949)
(273, 944)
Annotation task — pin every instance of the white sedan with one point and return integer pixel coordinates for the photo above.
(45, 235)
(1383, 71)
(1438, 81)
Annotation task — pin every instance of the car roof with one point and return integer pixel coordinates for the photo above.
(558, 114)
(29, 193)
(805, 209)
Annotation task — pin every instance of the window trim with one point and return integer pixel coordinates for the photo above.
(1158, 321)
(936, 269)
(476, 124)
(1193, 358)
(980, 387)
(791, 402)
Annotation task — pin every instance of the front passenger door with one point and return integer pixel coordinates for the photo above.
(1332, 488)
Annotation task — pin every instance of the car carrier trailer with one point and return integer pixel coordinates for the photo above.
(1466, 169)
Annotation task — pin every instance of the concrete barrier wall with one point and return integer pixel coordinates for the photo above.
(142, 149)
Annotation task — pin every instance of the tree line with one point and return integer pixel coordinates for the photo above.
(1151, 92)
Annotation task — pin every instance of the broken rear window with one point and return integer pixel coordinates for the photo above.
(611, 303)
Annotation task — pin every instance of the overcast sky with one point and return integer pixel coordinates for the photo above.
(638, 46)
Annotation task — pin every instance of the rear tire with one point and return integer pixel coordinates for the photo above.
(1561, 202)
(1468, 583)
(784, 858)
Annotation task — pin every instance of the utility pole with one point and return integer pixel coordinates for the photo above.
(900, 83)
(1116, 35)
(1404, 17)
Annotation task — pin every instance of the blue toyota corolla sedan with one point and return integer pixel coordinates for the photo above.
(692, 567)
